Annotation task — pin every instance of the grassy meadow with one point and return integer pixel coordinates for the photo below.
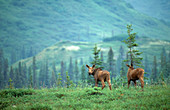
(155, 97)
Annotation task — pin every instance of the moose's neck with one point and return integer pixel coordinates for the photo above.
(95, 71)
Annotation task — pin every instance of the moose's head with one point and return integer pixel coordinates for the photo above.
(91, 69)
(130, 67)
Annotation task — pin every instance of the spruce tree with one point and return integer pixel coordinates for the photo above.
(34, 72)
(11, 73)
(76, 72)
(1, 69)
(6, 77)
(134, 54)
(70, 70)
(68, 82)
(110, 62)
(62, 71)
(47, 80)
(42, 75)
(96, 60)
(154, 74)
(83, 75)
(53, 79)
(59, 81)
(30, 78)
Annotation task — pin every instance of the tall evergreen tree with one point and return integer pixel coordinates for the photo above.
(68, 82)
(96, 60)
(154, 74)
(1, 68)
(6, 77)
(134, 54)
(53, 79)
(83, 75)
(24, 75)
(110, 62)
(47, 80)
(34, 72)
(62, 71)
(70, 70)
(59, 80)
(102, 59)
(42, 75)
(30, 78)
(120, 59)
(76, 72)
(11, 73)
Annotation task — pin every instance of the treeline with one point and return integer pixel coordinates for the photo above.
(75, 74)
(22, 53)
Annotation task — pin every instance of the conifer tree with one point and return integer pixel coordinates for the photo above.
(6, 72)
(96, 60)
(53, 79)
(42, 75)
(68, 82)
(34, 72)
(11, 73)
(134, 54)
(1, 69)
(47, 80)
(59, 80)
(30, 81)
(154, 74)
(110, 62)
(76, 72)
(83, 75)
(70, 70)
(62, 71)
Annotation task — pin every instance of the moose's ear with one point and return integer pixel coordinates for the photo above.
(127, 65)
(131, 64)
(93, 66)
(87, 66)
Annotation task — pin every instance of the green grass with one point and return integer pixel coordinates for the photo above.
(153, 97)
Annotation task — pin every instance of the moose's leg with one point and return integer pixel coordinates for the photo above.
(128, 82)
(142, 82)
(103, 84)
(135, 83)
(96, 83)
(108, 81)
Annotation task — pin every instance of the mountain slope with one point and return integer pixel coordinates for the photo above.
(62, 51)
(155, 8)
(41, 23)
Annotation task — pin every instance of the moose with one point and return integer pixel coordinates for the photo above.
(135, 74)
(99, 75)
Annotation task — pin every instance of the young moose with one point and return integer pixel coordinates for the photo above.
(100, 75)
(135, 74)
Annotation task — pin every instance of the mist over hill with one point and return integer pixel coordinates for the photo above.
(42, 23)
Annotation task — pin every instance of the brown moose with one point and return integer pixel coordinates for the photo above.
(135, 74)
(99, 75)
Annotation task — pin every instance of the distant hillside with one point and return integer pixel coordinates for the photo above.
(156, 8)
(62, 51)
(42, 23)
